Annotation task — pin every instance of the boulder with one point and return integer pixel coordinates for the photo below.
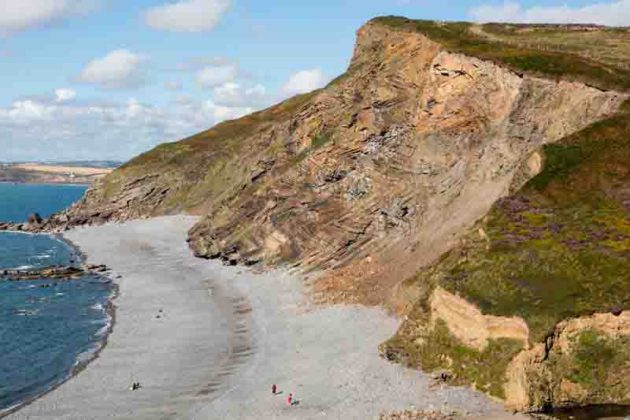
(35, 219)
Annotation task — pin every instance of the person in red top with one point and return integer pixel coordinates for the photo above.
(290, 399)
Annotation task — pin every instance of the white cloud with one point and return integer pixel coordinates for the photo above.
(197, 63)
(222, 113)
(187, 15)
(19, 15)
(117, 70)
(26, 111)
(64, 95)
(234, 95)
(215, 75)
(173, 85)
(304, 81)
(610, 13)
(39, 129)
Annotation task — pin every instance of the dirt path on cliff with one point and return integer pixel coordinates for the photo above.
(224, 336)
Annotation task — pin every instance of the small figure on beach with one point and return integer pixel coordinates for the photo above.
(440, 379)
(135, 386)
(292, 400)
(274, 389)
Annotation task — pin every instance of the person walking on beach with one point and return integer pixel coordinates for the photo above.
(290, 399)
(274, 389)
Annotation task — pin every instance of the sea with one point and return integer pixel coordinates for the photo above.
(49, 329)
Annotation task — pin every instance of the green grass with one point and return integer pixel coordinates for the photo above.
(320, 140)
(544, 280)
(205, 167)
(593, 358)
(602, 143)
(599, 364)
(557, 249)
(610, 46)
(437, 349)
(560, 247)
(522, 56)
(560, 160)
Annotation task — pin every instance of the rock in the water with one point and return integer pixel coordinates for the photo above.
(35, 219)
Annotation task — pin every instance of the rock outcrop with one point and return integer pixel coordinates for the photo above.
(470, 326)
(53, 272)
(389, 162)
(575, 366)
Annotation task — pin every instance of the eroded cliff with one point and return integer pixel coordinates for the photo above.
(555, 255)
(377, 175)
(389, 162)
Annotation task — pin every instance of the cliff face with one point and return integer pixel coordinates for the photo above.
(380, 173)
(532, 304)
(389, 162)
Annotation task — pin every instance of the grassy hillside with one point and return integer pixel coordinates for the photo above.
(559, 248)
(596, 56)
(202, 168)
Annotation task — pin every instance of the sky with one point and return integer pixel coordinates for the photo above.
(109, 79)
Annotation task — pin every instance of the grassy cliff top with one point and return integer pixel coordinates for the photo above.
(595, 55)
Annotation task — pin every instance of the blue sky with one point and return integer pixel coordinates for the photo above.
(107, 79)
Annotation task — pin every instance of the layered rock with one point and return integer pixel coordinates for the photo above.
(390, 161)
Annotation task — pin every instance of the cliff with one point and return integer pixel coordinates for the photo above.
(555, 255)
(376, 176)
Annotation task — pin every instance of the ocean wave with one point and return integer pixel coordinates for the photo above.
(102, 332)
(26, 312)
(97, 307)
(23, 267)
(42, 257)
(85, 357)
(37, 299)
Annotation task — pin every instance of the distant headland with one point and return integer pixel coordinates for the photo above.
(83, 172)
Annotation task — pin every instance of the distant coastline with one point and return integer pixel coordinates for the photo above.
(84, 173)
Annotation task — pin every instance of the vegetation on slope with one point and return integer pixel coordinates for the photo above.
(557, 249)
(550, 51)
(560, 247)
(596, 364)
(207, 155)
(434, 349)
(205, 166)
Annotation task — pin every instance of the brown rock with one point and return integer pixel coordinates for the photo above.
(34, 219)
